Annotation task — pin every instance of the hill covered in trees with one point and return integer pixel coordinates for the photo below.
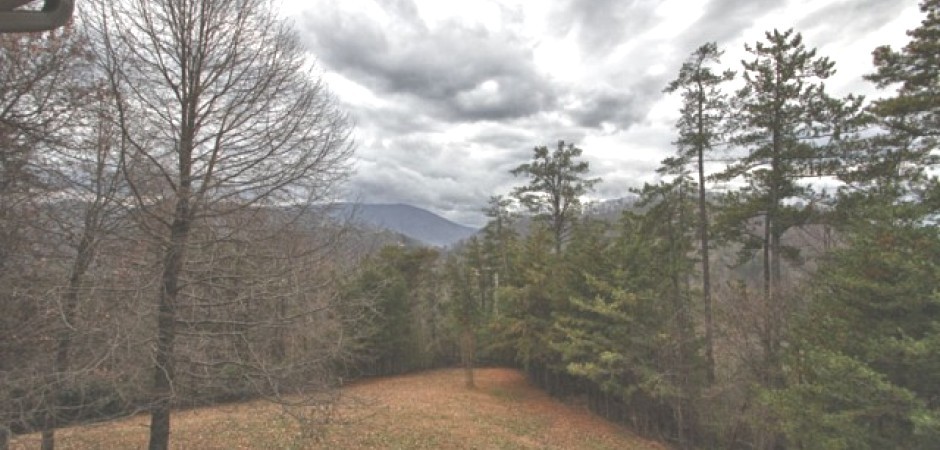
(742, 308)
(413, 222)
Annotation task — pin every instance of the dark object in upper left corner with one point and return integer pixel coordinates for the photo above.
(53, 14)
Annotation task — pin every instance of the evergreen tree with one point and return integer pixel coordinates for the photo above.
(864, 370)
(499, 238)
(400, 282)
(468, 300)
(626, 328)
(526, 323)
(556, 183)
(896, 161)
(785, 120)
(704, 108)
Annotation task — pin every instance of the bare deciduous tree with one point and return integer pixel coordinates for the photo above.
(36, 100)
(222, 117)
(84, 172)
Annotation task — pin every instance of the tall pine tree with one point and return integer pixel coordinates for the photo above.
(556, 183)
(864, 369)
(782, 118)
(896, 162)
(704, 108)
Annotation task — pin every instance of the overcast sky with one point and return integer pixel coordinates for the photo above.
(448, 96)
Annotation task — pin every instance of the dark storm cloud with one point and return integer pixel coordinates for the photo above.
(457, 72)
(502, 97)
(606, 107)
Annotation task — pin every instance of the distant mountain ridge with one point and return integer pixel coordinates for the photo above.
(411, 221)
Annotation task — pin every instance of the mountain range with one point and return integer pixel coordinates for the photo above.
(413, 222)
(430, 229)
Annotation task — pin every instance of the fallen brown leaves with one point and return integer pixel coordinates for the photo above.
(427, 410)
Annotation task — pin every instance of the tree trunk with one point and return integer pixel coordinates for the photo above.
(765, 261)
(467, 350)
(83, 257)
(703, 236)
(163, 374)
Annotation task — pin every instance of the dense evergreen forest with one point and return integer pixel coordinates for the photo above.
(164, 244)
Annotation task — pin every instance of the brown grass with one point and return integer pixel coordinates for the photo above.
(428, 410)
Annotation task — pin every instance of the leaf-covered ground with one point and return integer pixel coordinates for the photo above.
(430, 410)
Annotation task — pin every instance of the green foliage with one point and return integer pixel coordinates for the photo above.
(914, 111)
(841, 403)
(403, 326)
(788, 124)
(526, 319)
(557, 182)
(704, 106)
(627, 326)
(898, 160)
(466, 272)
(865, 370)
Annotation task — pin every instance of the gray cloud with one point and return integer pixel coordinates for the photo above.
(456, 72)
(503, 138)
(853, 17)
(397, 119)
(460, 104)
(451, 180)
(724, 20)
(603, 24)
(606, 106)
(619, 107)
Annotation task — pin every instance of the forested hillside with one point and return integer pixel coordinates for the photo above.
(416, 223)
(743, 308)
(166, 171)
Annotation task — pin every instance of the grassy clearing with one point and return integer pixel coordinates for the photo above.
(430, 410)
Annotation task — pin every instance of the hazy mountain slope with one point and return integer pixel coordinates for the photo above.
(413, 222)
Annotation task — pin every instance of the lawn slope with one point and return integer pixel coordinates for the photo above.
(429, 410)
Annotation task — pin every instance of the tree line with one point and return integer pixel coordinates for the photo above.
(741, 306)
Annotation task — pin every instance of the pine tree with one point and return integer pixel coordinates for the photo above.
(704, 109)
(557, 182)
(784, 119)
(398, 281)
(625, 328)
(499, 237)
(466, 279)
(527, 306)
(896, 161)
(864, 370)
